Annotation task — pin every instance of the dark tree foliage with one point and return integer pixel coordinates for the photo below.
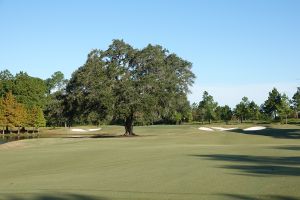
(241, 110)
(272, 104)
(207, 107)
(56, 82)
(29, 91)
(226, 113)
(6, 82)
(123, 83)
(55, 106)
(296, 102)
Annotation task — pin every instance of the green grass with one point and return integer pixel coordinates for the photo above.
(164, 162)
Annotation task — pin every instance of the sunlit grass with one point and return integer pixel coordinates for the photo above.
(163, 162)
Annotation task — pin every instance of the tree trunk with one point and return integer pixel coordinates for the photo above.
(129, 126)
(18, 129)
(286, 119)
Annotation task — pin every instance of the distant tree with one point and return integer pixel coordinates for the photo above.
(9, 109)
(127, 83)
(296, 102)
(182, 108)
(56, 82)
(21, 116)
(272, 104)
(254, 111)
(29, 91)
(54, 110)
(242, 109)
(36, 118)
(226, 113)
(218, 113)
(285, 109)
(195, 114)
(207, 107)
(39, 118)
(3, 121)
(6, 82)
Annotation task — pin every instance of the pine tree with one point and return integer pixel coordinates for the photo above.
(296, 102)
(285, 107)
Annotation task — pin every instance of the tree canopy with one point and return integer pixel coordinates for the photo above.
(207, 107)
(272, 104)
(296, 102)
(124, 83)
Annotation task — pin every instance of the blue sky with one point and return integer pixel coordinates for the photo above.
(237, 47)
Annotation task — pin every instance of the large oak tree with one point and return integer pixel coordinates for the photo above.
(125, 83)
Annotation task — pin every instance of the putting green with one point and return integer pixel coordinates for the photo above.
(164, 162)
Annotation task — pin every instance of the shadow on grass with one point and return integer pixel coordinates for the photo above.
(118, 136)
(262, 197)
(106, 136)
(272, 132)
(259, 165)
(291, 148)
(54, 197)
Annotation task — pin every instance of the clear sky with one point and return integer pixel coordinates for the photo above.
(237, 47)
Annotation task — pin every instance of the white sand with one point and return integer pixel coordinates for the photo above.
(255, 128)
(94, 129)
(83, 130)
(224, 129)
(78, 130)
(205, 129)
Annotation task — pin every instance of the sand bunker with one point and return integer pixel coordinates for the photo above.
(94, 129)
(78, 130)
(223, 129)
(84, 130)
(255, 128)
(205, 129)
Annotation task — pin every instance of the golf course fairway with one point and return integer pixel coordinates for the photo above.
(163, 162)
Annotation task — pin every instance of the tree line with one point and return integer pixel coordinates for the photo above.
(21, 102)
(124, 85)
(119, 85)
(276, 107)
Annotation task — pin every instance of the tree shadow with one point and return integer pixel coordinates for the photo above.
(106, 136)
(54, 197)
(259, 165)
(272, 132)
(261, 197)
(118, 136)
(291, 148)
